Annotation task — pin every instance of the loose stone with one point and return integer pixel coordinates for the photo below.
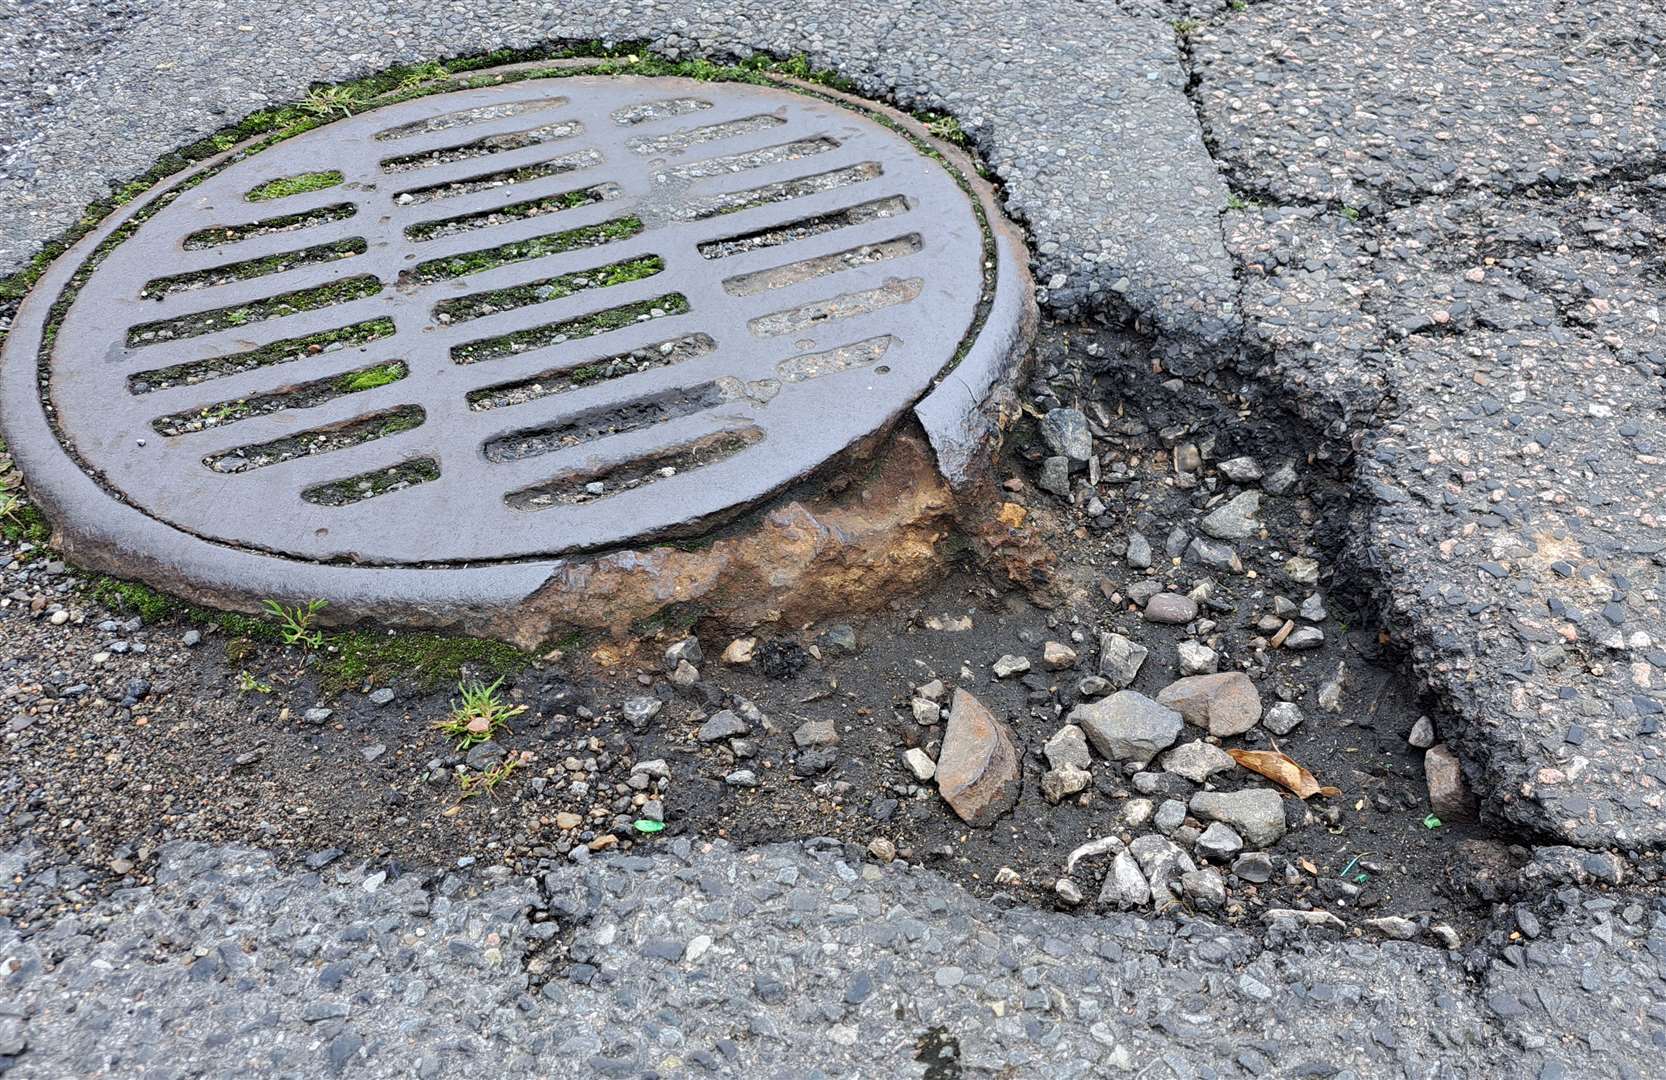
(1065, 431)
(1449, 796)
(723, 725)
(1282, 717)
(1120, 659)
(1057, 657)
(1170, 608)
(1128, 726)
(1061, 783)
(1010, 665)
(977, 768)
(1225, 703)
(1068, 746)
(1236, 519)
(1125, 887)
(1197, 761)
(1257, 814)
(1197, 658)
(1219, 842)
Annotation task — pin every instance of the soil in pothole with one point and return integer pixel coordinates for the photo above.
(120, 736)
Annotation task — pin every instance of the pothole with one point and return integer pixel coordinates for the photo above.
(473, 293)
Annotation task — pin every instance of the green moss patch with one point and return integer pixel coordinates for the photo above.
(378, 657)
(475, 262)
(285, 186)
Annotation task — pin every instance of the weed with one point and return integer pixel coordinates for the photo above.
(1234, 201)
(947, 128)
(480, 715)
(1350, 213)
(248, 684)
(475, 783)
(326, 101)
(295, 624)
(1186, 27)
(295, 185)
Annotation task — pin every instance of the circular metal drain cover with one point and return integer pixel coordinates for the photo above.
(499, 324)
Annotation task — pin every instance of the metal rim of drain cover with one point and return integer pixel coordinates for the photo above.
(411, 359)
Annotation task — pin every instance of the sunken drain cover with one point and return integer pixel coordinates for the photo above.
(516, 321)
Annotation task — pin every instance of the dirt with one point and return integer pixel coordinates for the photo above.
(220, 745)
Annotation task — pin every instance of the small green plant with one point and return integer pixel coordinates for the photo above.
(480, 715)
(237, 316)
(418, 74)
(1186, 27)
(330, 100)
(295, 624)
(1234, 201)
(1350, 213)
(488, 779)
(248, 684)
(947, 128)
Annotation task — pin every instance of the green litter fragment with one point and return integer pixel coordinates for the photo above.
(1431, 822)
(644, 825)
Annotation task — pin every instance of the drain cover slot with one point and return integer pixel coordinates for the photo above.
(517, 321)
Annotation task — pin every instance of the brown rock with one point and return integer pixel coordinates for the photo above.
(1226, 704)
(1449, 796)
(977, 769)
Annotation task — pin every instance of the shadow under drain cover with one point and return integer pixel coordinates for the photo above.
(494, 325)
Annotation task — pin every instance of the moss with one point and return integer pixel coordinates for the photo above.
(215, 235)
(536, 248)
(571, 330)
(207, 322)
(22, 523)
(278, 352)
(358, 657)
(567, 200)
(368, 485)
(370, 378)
(539, 292)
(157, 288)
(286, 186)
(404, 420)
(132, 597)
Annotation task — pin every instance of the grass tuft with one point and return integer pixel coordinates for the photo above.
(480, 715)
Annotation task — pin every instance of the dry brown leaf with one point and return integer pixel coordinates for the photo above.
(1280, 768)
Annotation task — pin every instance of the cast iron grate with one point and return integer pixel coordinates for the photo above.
(517, 321)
